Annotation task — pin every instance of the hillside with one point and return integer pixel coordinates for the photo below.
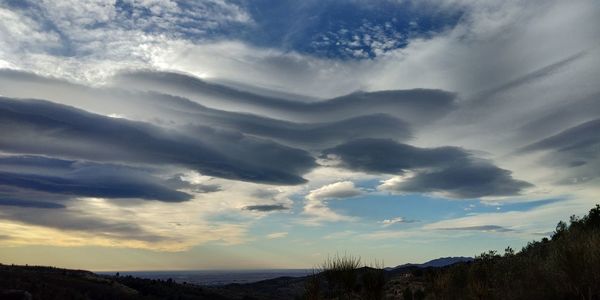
(34, 282)
(566, 266)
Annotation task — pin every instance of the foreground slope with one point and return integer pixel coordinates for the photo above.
(33, 282)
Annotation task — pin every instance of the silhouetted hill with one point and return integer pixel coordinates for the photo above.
(436, 263)
(48, 283)
(277, 288)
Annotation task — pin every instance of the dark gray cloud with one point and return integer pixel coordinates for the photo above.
(38, 190)
(472, 180)
(15, 193)
(418, 106)
(451, 170)
(321, 134)
(267, 207)
(265, 193)
(168, 110)
(494, 228)
(388, 156)
(41, 127)
(29, 203)
(576, 149)
(81, 179)
(177, 182)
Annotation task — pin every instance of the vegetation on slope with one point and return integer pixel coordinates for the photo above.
(47, 283)
(342, 277)
(567, 266)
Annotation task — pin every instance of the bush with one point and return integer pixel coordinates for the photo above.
(342, 277)
(341, 273)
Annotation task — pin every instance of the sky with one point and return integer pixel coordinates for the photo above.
(216, 134)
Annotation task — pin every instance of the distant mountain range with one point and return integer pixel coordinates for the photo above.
(435, 263)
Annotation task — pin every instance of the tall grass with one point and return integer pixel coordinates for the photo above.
(340, 272)
(345, 277)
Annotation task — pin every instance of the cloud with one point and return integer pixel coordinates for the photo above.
(578, 139)
(485, 228)
(448, 170)
(316, 208)
(178, 182)
(326, 134)
(32, 123)
(76, 23)
(83, 179)
(561, 116)
(340, 235)
(477, 179)
(576, 150)
(346, 29)
(388, 156)
(337, 190)
(151, 106)
(29, 203)
(181, 17)
(414, 106)
(152, 225)
(486, 97)
(277, 235)
(227, 116)
(266, 207)
(397, 220)
(389, 234)
(63, 220)
(527, 224)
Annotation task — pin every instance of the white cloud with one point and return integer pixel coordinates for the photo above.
(389, 234)
(277, 235)
(22, 33)
(216, 218)
(527, 224)
(397, 220)
(392, 184)
(338, 190)
(165, 227)
(87, 41)
(316, 208)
